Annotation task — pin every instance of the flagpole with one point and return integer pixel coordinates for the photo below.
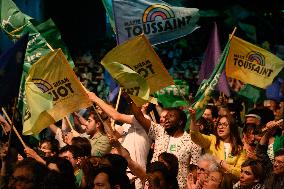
(69, 123)
(233, 33)
(3, 129)
(13, 127)
(116, 107)
(153, 116)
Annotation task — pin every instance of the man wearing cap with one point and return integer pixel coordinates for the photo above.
(256, 120)
(253, 118)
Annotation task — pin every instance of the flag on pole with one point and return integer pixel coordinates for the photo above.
(211, 57)
(15, 23)
(159, 21)
(36, 117)
(53, 75)
(208, 86)
(252, 64)
(138, 55)
(11, 68)
(133, 83)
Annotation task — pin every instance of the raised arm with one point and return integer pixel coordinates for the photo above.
(200, 139)
(192, 114)
(135, 168)
(109, 110)
(146, 123)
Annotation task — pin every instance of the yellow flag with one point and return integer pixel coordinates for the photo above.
(36, 117)
(252, 64)
(133, 83)
(139, 55)
(53, 75)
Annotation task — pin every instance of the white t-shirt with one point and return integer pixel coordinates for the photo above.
(136, 141)
(227, 150)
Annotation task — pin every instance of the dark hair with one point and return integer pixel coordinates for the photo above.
(214, 110)
(113, 176)
(236, 143)
(37, 169)
(64, 166)
(75, 150)
(55, 180)
(53, 143)
(256, 168)
(119, 165)
(172, 162)
(171, 180)
(88, 169)
(208, 128)
(248, 127)
(192, 167)
(84, 144)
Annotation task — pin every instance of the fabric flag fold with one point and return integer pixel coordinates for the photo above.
(130, 81)
(108, 7)
(36, 116)
(15, 23)
(211, 57)
(53, 75)
(138, 55)
(208, 86)
(11, 68)
(174, 95)
(252, 64)
(158, 20)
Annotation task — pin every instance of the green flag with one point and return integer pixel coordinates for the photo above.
(207, 86)
(52, 35)
(15, 23)
(252, 93)
(108, 7)
(174, 95)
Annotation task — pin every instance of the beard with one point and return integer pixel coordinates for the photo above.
(170, 130)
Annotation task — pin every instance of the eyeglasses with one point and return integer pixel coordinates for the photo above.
(225, 125)
(20, 179)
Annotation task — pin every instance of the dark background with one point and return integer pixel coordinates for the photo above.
(83, 23)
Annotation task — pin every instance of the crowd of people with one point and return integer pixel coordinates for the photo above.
(149, 146)
(139, 149)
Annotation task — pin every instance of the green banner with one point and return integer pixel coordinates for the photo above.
(174, 95)
(206, 88)
(15, 23)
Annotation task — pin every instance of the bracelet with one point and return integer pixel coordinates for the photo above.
(221, 163)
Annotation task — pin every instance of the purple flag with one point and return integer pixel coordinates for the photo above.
(211, 57)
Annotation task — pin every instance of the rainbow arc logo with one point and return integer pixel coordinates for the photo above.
(256, 57)
(157, 11)
(44, 86)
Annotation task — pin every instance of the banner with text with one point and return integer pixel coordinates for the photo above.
(158, 20)
(252, 64)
